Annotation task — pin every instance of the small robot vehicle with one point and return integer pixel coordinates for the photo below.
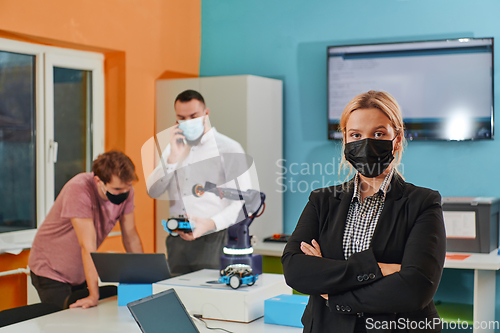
(237, 274)
(179, 223)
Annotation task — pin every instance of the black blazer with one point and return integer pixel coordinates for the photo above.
(410, 232)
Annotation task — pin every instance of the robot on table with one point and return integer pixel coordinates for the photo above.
(238, 264)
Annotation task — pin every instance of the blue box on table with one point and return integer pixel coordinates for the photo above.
(285, 310)
(129, 292)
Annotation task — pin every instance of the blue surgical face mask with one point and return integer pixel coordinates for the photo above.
(192, 129)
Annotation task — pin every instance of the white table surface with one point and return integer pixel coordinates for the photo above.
(485, 266)
(483, 261)
(109, 317)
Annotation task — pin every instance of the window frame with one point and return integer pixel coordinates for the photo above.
(47, 56)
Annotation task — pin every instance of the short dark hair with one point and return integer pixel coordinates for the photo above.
(188, 95)
(114, 163)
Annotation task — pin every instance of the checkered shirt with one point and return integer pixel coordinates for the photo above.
(362, 217)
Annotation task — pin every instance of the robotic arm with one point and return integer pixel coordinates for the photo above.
(253, 201)
(239, 237)
(238, 264)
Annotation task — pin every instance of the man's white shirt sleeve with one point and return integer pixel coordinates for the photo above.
(158, 181)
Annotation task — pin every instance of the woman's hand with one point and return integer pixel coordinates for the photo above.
(388, 269)
(312, 250)
(309, 250)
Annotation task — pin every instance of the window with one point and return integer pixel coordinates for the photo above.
(51, 128)
(17, 141)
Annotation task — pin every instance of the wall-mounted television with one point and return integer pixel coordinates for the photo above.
(444, 87)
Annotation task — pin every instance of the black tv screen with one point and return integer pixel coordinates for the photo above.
(444, 87)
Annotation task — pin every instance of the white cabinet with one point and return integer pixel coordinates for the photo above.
(247, 109)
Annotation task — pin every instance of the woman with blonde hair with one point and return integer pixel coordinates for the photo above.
(369, 252)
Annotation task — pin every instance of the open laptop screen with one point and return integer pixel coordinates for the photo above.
(131, 267)
(162, 313)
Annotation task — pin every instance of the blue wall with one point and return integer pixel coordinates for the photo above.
(287, 39)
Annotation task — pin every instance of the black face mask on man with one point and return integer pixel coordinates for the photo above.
(369, 156)
(116, 198)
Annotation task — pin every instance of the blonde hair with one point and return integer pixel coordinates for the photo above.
(384, 102)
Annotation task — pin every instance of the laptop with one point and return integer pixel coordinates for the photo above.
(131, 267)
(162, 313)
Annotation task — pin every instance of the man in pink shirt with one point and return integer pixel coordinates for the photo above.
(87, 208)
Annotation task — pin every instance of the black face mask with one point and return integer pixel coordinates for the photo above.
(117, 198)
(369, 156)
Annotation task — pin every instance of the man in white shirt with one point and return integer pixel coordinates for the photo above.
(197, 154)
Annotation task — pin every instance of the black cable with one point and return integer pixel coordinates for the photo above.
(210, 328)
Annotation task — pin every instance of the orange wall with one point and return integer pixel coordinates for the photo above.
(141, 40)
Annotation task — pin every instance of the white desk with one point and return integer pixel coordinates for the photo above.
(485, 267)
(221, 302)
(109, 317)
